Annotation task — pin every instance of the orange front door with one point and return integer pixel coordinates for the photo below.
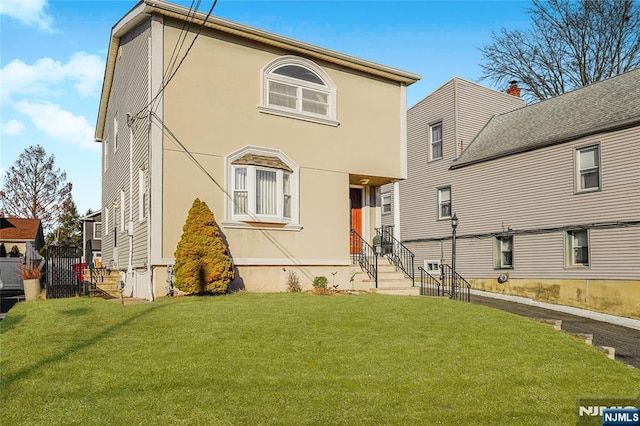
(355, 194)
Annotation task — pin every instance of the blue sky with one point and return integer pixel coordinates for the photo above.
(52, 55)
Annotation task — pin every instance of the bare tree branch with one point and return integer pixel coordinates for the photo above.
(570, 44)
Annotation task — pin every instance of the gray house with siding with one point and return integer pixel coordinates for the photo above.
(547, 195)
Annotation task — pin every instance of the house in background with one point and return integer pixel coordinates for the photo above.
(28, 237)
(288, 143)
(547, 195)
(92, 238)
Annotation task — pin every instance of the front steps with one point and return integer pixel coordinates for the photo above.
(107, 284)
(390, 281)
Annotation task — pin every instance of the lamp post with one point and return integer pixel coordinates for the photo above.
(454, 225)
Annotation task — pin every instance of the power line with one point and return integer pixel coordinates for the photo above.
(166, 83)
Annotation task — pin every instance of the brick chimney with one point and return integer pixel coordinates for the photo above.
(513, 89)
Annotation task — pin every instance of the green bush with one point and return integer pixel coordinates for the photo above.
(15, 252)
(202, 263)
(320, 282)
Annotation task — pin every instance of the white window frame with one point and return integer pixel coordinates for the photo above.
(105, 159)
(97, 225)
(385, 203)
(570, 251)
(499, 250)
(106, 221)
(115, 132)
(328, 88)
(432, 142)
(123, 200)
(579, 169)
(440, 202)
(251, 219)
(431, 266)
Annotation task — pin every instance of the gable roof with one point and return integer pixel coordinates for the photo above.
(15, 229)
(92, 216)
(147, 7)
(603, 106)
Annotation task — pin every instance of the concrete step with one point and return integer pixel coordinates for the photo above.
(397, 291)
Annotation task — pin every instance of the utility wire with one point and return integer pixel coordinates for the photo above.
(164, 85)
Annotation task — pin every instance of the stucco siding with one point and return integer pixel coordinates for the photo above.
(222, 77)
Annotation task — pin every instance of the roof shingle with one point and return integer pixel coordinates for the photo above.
(602, 106)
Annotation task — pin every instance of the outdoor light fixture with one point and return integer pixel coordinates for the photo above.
(454, 221)
(364, 181)
(454, 278)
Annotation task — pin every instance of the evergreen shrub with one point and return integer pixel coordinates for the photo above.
(203, 264)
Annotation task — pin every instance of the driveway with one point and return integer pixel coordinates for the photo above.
(626, 341)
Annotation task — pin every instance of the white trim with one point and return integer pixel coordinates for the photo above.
(382, 203)
(234, 224)
(93, 236)
(396, 210)
(231, 219)
(258, 261)
(328, 88)
(403, 132)
(156, 189)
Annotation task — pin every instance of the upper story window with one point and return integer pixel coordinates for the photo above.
(577, 247)
(435, 142)
(298, 88)
(588, 168)
(444, 203)
(97, 230)
(504, 252)
(263, 188)
(106, 221)
(386, 203)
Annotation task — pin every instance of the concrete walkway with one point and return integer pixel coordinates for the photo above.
(623, 334)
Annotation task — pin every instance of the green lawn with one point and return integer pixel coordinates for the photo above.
(293, 359)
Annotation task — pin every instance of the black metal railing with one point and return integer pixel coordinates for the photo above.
(396, 253)
(363, 254)
(447, 284)
(430, 285)
(455, 286)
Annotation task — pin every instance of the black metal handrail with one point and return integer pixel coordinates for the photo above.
(397, 253)
(429, 285)
(455, 286)
(363, 254)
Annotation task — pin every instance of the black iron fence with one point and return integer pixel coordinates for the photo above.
(429, 285)
(63, 273)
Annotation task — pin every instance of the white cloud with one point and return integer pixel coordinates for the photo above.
(28, 12)
(59, 124)
(44, 76)
(12, 127)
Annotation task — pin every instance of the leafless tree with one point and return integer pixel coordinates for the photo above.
(570, 44)
(34, 188)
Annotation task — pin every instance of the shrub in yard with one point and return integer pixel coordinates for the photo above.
(293, 283)
(320, 282)
(202, 263)
(15, 252)
(3, 250)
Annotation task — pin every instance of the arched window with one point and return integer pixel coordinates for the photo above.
(298, 88)
(263, 187)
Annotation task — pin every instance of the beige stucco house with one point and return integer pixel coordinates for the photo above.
(547, 195)
(277, 136)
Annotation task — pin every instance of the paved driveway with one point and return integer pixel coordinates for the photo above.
(626, 341)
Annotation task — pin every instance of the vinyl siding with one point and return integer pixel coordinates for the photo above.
(129, 94)
(534, 193)
(463, 108)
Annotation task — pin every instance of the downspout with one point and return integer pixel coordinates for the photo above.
(150, 277)
(130, 224)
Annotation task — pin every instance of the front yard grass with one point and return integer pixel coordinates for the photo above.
(291, 358)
